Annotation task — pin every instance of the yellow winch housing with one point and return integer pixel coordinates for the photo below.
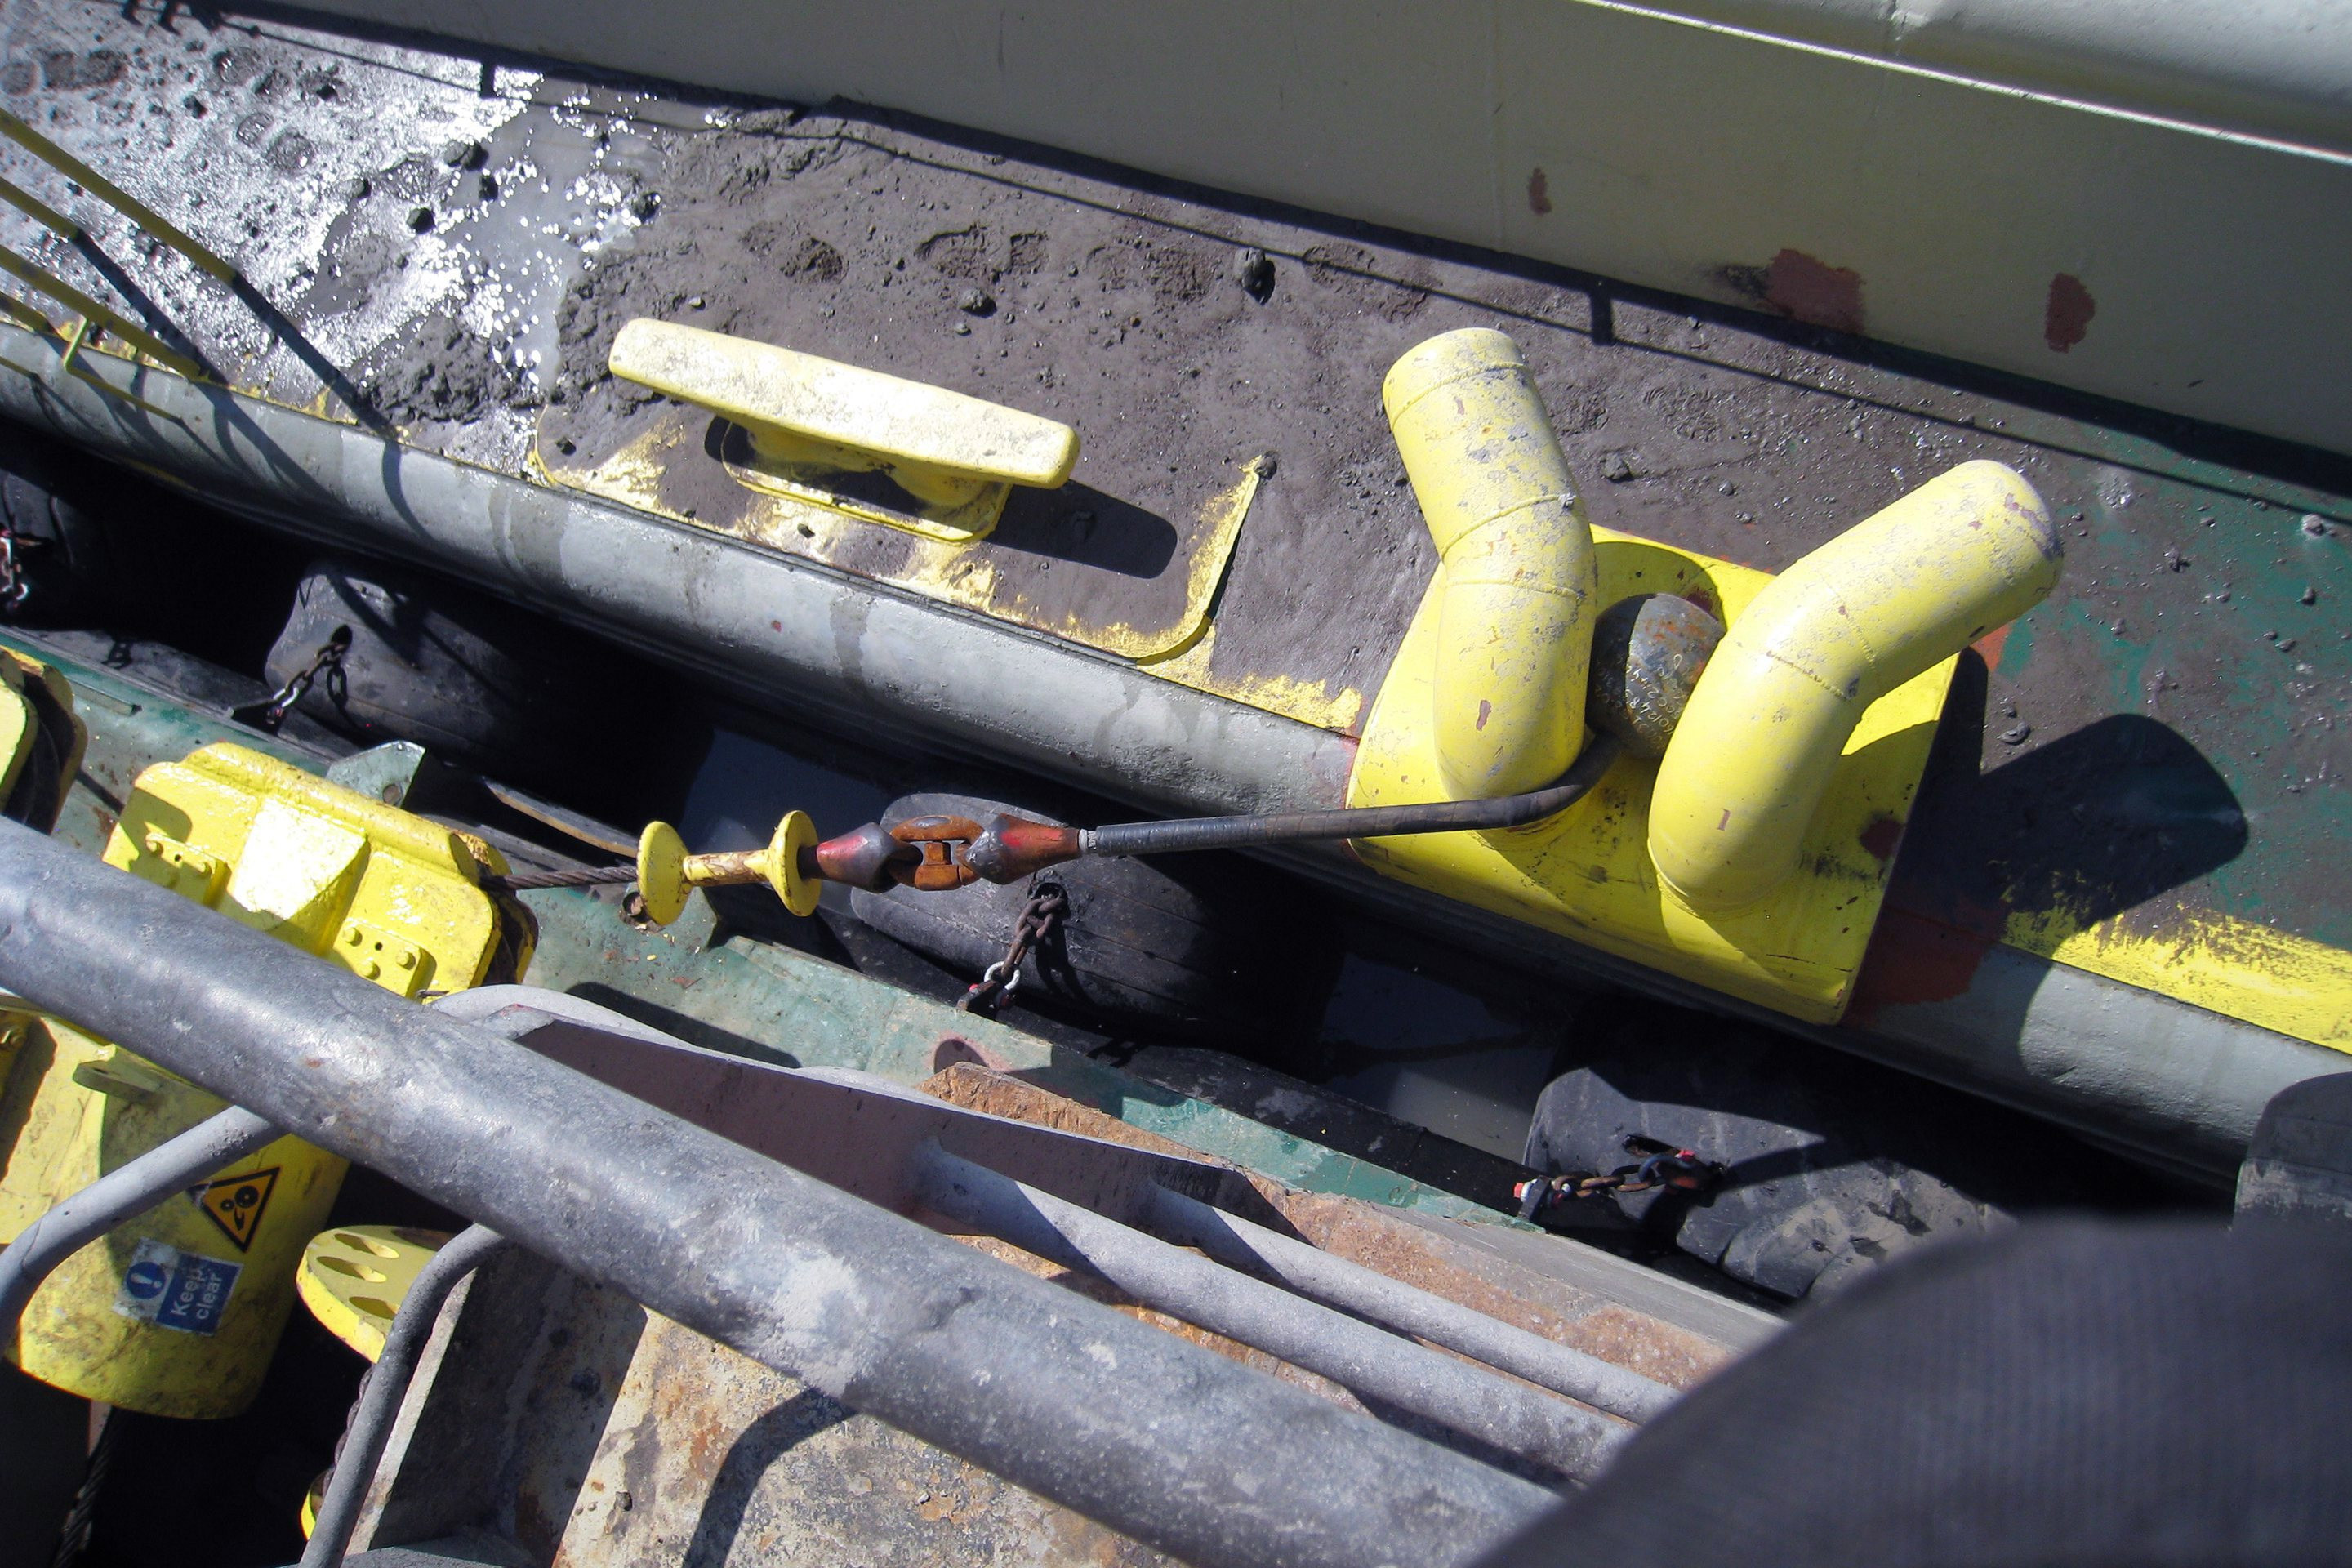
(178, 1312)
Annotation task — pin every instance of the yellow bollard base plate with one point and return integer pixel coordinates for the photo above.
(1129, 576)
(1586, 874)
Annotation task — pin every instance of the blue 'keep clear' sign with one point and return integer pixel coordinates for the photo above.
(175, 1290)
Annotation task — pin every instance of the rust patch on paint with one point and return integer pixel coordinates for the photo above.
(1882, 837)
(1988, 647)
(1538, 193)
(1915, 957)
(1803, 287)
(2066, 314)
(1486, 712)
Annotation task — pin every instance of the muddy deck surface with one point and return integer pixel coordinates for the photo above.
(453, 241)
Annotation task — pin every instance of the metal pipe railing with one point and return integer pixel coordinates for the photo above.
(1336, 1281)
(1367, 1360)
(386, 1387)
(1179, 1448)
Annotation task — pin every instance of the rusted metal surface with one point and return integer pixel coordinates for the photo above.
(941, 840)
(854, 1131)
(1647, 653)
(567, 1422)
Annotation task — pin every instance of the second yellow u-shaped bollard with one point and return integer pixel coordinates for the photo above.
(1886, 600)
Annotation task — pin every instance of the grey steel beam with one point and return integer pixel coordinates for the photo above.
(1179, 1448)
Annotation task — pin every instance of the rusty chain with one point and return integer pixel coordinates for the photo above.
(1660, 1165)
(1040, 918)
(327, 661)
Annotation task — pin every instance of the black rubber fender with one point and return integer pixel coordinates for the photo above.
(1833, 1165)
(1203, 946)
(477, 681)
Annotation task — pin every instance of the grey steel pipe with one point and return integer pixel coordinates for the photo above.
(1238, 1243)
(386, 1385)
(124, 1193)
(1370, 1362)
(1179, 1448)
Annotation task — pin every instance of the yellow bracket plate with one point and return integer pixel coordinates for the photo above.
(1587, 873)
(388, 895)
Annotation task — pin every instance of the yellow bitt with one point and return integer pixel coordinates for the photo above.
(178, 1312)
(1877, 606)
(1513, 599)
(1788, 924)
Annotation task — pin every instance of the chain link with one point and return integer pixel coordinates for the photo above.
(328, 661)
(13, 587)
(1040, 918)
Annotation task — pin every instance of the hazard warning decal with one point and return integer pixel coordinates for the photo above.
(237, 1204)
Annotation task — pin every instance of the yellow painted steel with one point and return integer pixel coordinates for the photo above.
(114, 195)
(2237, 968)
(812, 420)
(178, 1312)
(1768, 723)
(1586, 874)
(36, 706)
(20, 726)
(354, 1278)
(34, 700)
(1515, 586)
(1168, 631)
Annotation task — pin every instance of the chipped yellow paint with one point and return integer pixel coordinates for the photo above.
(1310, 702)
(2237, 968)
(1587, 874)
(961, 574)
(1221, 525)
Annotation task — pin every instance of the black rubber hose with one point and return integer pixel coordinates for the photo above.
(1358, 822)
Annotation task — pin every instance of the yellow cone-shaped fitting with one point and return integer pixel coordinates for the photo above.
(1874, 607)
(1516, 571)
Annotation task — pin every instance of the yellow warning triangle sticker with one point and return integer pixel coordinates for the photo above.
(236, 1204)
